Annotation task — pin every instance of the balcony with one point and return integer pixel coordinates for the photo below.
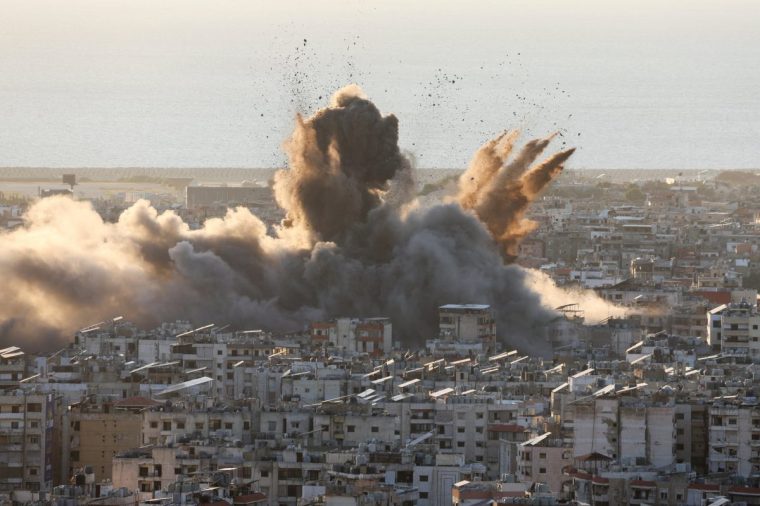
(718, 457)
(723, 428)
(12, 416)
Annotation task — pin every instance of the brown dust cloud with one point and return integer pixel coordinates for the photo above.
(354, 243)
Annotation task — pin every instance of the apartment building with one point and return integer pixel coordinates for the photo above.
(27, 443)
(94, 433)
(373, 336)
(467, 323)
(735, 329)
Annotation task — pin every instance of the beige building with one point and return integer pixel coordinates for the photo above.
(541, 460)
(147, 471)
(98, 432)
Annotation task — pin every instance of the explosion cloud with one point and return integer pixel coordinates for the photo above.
(352, 244)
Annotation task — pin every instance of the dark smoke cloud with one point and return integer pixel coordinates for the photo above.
(353, 244)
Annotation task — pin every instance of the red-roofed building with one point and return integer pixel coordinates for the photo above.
(715, 297)
(254, 498)
(744, 495)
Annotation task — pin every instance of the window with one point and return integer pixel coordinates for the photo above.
(424, 477)
(272, 426)
(460, 430)
(350, 428)
(375, 429)
(542, 470)
(264, 473)
(423, 495)
(180, 425)
(542, 455)
(154, 425)
(34, 407)
(460, 444)
(167, 425)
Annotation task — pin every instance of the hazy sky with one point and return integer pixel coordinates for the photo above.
(633, 84)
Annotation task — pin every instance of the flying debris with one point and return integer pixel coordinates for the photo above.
(353, 242)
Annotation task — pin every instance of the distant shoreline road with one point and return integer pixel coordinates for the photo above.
(239, 174)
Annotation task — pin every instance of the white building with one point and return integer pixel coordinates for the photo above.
(736, 329)
(467, 322)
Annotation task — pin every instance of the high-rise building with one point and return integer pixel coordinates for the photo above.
(26, 442)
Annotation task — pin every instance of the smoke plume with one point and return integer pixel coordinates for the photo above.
(352, 244)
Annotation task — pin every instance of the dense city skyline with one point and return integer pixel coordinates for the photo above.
(351, 253)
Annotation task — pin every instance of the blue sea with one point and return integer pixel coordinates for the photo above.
(139, 83)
